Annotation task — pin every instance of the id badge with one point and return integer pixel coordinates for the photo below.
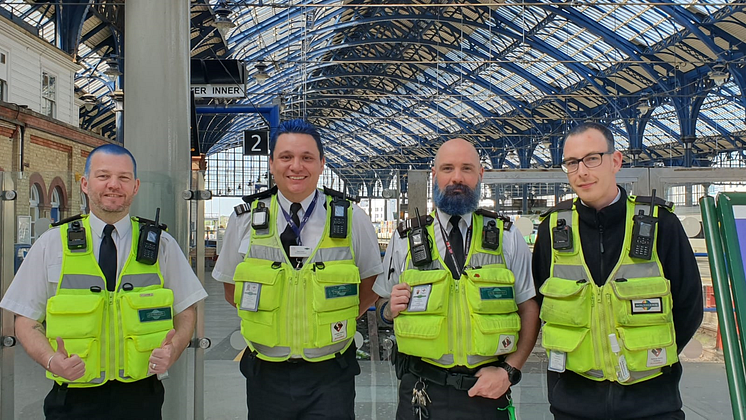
(420, 296)
(297, 251)
(250, 296)
(557, 361)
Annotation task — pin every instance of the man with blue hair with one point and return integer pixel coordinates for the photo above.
(460, 298)
(118, 313)
(299, 265)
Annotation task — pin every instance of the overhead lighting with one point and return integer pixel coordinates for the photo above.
(719, 74)
(261, 72)
(89, 101)
(112, 69)
(118, 97)
(222, 21)
(643, 106)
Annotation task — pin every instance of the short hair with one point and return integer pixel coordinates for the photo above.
(109, 149)
(590, 125)
(298, 126)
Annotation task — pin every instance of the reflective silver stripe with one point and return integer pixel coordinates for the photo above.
(333, 254)
(81, 281)
(278, 351)
(640, 374)
(325, 351)
(571, 272)
(481, 259)
(595, 373)
(141, 280)
(446, 359)
(639, 270)
(101, 379)
(268, 253)
(475, 360)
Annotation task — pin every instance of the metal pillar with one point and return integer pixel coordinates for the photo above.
(7, 327)
(156, 131)
(417, 191)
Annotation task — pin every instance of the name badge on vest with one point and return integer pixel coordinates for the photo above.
(420, 296)
(297, 251)
(250, 296)
(647, 306)
(339, 331)
(557, 361)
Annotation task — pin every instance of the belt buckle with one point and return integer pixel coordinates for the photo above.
(455, 380)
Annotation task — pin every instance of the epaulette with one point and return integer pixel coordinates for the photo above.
(68, 220)
(645, 199)
(564, 205)
(145, 221)
(339, 194)
(406, 225)
(242, 208)
(248, 199)
(507, 223)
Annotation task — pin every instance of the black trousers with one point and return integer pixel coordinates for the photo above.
(676, 415)
(301, 390)
(113, 400)
(449, 403)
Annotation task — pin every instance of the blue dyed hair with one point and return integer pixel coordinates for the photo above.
(109, 149)
(298, 126)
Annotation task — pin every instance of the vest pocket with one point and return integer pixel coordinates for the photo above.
(648, 347)
(270, 277)
(335, 287)
(491, 291)
(437, 299)
(89, 350)
(575, 342)
(137, 350)
(75, 316)
(147, 311)
(642, 301)
(334, 327)
(493, 335)
(421, 335)
(566, 302)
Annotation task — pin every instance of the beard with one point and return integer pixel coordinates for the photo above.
(457, 199)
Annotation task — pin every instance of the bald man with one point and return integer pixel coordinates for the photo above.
(460, 299)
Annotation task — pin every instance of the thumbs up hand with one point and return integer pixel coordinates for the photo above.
(160, 358)
(70, 368)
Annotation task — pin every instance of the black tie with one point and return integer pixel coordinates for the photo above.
(457, 245)
(288, 237)
(107, 258)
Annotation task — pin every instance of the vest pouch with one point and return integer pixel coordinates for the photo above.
(566, 302)
(335, 286)
(146, 311)
(576, 342)
(75, 316)
(644, 347)
(89, 351)
(335, 326)
(642, 301)
(261, 326)
(493, 335)
(437, 299)
(490, 291)
(137, 350)
(421, 335)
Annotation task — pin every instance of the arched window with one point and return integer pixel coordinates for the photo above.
(56, 205)
(35, 203)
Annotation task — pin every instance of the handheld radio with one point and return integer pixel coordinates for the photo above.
(150, 240)
(338, 228)
(643, 233)
(75, 236)
(491, 236)
(419, 243)
(561, 236)
(260, 217)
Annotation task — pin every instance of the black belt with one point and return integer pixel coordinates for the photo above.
(440, 376)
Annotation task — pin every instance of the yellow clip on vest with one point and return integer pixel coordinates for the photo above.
(115, 332)
(467, 321)
(304, 313)
(622, 331)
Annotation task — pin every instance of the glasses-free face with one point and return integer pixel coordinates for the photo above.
(591, 160)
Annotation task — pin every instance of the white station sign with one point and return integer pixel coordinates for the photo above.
(219, 91)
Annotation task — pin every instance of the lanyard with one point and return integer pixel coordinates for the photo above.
(467, 246)
(306, 216)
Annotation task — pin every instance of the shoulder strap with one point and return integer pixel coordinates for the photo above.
(406, 225)
(339, 194)
(507, 224)
(68, 220)
(564, 205)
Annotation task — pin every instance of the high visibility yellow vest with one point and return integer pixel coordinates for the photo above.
(304, 313)
(634, 305)
(115, 332)
(467, 321)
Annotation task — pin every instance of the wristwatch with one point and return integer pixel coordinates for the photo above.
(514, 374)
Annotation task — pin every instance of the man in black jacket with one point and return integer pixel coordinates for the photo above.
(602, 217)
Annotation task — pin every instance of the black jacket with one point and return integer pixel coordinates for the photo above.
(602, 236)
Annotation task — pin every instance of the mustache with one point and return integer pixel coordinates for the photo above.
(457, 189)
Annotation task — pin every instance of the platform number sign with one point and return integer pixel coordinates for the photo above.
(256, 142)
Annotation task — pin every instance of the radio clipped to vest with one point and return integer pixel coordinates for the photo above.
(150, 240)
(75, 236)
(491, 236)
(643, 233)
(419, 243)
(260, 217)
(338, 218)
(561, 236)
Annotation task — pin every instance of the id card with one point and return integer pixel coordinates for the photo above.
(297, 251)
(420, 296)
(557, 361)
(250, 296)
(656, 358)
